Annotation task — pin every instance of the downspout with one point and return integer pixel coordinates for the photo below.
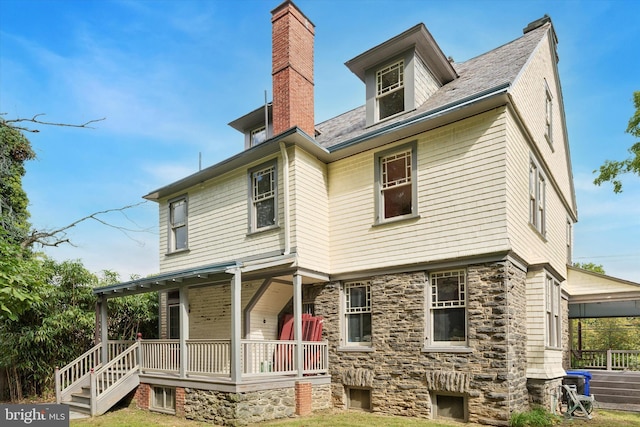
(285, 185)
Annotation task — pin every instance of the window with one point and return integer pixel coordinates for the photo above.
(390, 90)
(258, 136)
(358, 313)
(537, 198)
(178, 224)
(396, 172)
(553, 297)
(450, 406)
(263, 209)
(448, 308)
(359, 398)
(548, 131)
(164, 399)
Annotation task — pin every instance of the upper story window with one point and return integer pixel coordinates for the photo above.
(447, 306)
(263, 197)
(390, 90)
(548, 131)
(258, 136)
(553, 300)
(357, 309)
(396, 175)
(537, 190)
(178, 224)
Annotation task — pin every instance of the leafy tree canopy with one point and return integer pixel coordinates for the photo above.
(611, 169)
(596, 268)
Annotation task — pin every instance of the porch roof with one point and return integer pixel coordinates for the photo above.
(212, 272)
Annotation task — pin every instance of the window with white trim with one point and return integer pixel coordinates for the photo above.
(448, 308)
(357, 310)
(258, 136)
(164, 399)
(263, 197)
(537, 190)
(390, 90)
(553, 301)
(548, 131)
(178, 224)
(396, 177)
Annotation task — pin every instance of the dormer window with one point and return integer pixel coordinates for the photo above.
(390, 90)
(258, 136)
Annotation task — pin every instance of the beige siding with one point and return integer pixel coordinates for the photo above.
(461, 200)
(529, 96)
(425, 83)
(542, 363)
(310, 211)
(218, 218)
(532, 247)
(264, 315)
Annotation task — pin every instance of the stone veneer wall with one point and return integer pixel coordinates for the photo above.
(238, 409)
(402, 377)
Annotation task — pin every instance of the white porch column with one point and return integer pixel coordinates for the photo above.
(297, 322)
(184, 329)
(236, 326)
(104, 330)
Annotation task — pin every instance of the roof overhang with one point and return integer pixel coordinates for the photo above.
(252, 119)
(419, 37)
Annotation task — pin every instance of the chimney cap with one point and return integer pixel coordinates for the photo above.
(536, 24)
(286, 3)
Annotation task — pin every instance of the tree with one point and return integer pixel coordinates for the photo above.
(611, 169)
(596, 268)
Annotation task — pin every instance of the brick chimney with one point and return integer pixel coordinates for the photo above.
(292, 59)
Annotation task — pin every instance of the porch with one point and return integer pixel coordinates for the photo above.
(231, 328)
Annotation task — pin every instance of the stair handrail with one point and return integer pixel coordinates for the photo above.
(76, 370)
(128, 361)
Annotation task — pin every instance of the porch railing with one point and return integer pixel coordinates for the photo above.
(611, 360)
(213, 357)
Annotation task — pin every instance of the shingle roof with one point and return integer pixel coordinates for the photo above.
(497, 67)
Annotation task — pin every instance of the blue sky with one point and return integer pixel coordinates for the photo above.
(169, 75)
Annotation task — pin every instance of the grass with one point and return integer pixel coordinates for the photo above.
(131, 417)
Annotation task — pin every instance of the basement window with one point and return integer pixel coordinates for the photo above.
(164, 399)
(359, 398)
(452, 407)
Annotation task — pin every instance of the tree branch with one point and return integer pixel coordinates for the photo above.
(12, 123)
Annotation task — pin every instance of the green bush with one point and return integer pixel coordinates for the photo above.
(538, 417)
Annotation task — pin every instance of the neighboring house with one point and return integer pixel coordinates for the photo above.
(430, 229)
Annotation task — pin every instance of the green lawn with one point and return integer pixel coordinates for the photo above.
(128, 417)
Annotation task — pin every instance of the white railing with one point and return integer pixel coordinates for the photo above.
(268, 357)
(316, 357)
(75, 371)
(115, 347)
(160, 355)
(209, 357)
(619, 360)
(113, 373)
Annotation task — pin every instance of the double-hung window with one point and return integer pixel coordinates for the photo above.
(357, 298)
(537, 190)
(396, 172)
(390, 90)
(178, 224)
(448, 307)
(553, 299)
(263, 197)
(258, 136)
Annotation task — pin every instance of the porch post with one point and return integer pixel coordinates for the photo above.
(104, 330)
(236, 326)
(184, 330)
(297, 323)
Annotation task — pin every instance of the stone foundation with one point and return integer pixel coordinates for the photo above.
(403, 374)
(543, 392)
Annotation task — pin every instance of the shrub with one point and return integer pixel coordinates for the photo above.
(538, 417)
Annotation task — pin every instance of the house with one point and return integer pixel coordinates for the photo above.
(428, 232)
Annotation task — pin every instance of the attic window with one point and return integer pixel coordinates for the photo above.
(390, 90)
(258, 136)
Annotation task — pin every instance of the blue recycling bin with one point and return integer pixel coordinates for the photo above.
(587, 377)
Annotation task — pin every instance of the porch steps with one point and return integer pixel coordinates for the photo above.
(615, 387)
(80, 398)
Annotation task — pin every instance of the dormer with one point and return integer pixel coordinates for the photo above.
(257, 126)
(401, 73)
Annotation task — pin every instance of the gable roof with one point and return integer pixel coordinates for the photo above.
(476, 77)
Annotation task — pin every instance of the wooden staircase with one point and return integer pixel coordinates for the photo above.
(620, 388)
(91, 387)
